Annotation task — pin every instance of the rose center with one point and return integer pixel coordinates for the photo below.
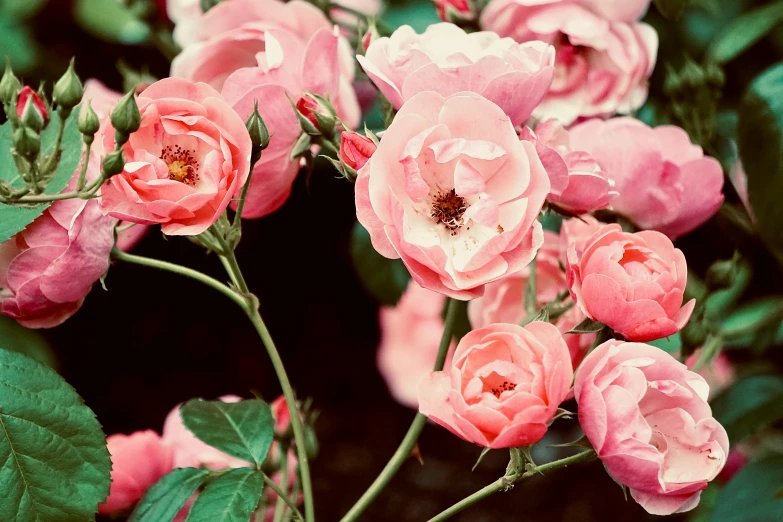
(504, 386)
(448, 209)
(183, 167)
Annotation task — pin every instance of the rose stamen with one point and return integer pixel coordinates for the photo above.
(448, 209)
(506, 386)
(183, 167)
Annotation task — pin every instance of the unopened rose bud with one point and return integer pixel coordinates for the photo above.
(305, 107)
(126, 118)
(721, 274)
(31, 110)
(455, 10)
(311, 443)
(355, 149)
(88, 122)
(259, 134)
(9, 84)
(27, 142)
(113, 164)
(369, 37)
(68, 90)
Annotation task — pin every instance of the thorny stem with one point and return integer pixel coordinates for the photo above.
(404, 450)
(507, 481)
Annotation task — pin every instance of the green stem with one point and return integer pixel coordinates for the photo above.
(236, 226)
(181, 270)
(404, 450)
(530, 289)
(51, 163)
(280, 505)
(83, 173)
(283, 495)
(503, 483)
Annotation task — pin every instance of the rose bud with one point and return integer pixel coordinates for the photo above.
(503, 387)
(633, 283)
(579, 185)
(648, 419)
(454, 193)
(666, 183)
(355, 149)
(184, 164)
(9, 84)
(31, 109)
(455, 10)
(515, 76)
(68, 90)
(138, 460)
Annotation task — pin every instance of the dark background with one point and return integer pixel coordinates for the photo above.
(156, 339)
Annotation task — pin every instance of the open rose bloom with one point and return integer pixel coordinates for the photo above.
(648, 419)
(185, 163)
(503, 386)
(454, 196)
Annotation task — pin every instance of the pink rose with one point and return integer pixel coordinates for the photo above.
(633, 283)
(368, 7)
(190, 452)
(410, 337)
(576, 231)
(739, 181)
(454, 10)
(184, 164)
(288, 68)
(355, 149)
(503, 387)
(504, 300)
(617, 10)
(186, 15)
(602, 66)
(578, 184)
(719, 373)
(665, 182)
(453, 192)
(648, 419)
(138, 461)
(513, 76)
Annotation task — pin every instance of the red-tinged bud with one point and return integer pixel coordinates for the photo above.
(355, 149)
(455, 10)
(308, 106)
(27, 96)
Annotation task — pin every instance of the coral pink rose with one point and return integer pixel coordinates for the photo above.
(602, 66)
(447, 60)
(503, 387)
(633, 283)
(190, 452)
(579, 185)
(184, 164)
(504, 300)
(288, 68)
(665, 182)
(576, 231)
(410, 338)
(453, 192)
(648, 419)
(138, 460)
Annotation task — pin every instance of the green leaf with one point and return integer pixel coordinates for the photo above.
(742, 327)
(671, 344)
(385, 279)
(17, 338)
(55, 462)
(761, 150)
(750, 496)
(744, 31)
(671, 9)
(241, 429)
(110, 21)
(20, 9)
(14, 219)
(587, 326)
(232, 497)
(749, 405)
(480, 458)
(163, 501)
(419, 14)
(18, 43)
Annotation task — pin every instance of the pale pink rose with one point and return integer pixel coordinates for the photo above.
(648, 419)
(288, 68)
(578, 184)
(186, 15)
(504, 300)
(189, 452)
(577, 231)
(185, 163)
(447, 60)
(503, 387)
(602, 66)
(368, 7)
(138, 460)
(665, 182)
(739, 180)
(453, 192)
(719, 373)
(633, 283)
(410, 338)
